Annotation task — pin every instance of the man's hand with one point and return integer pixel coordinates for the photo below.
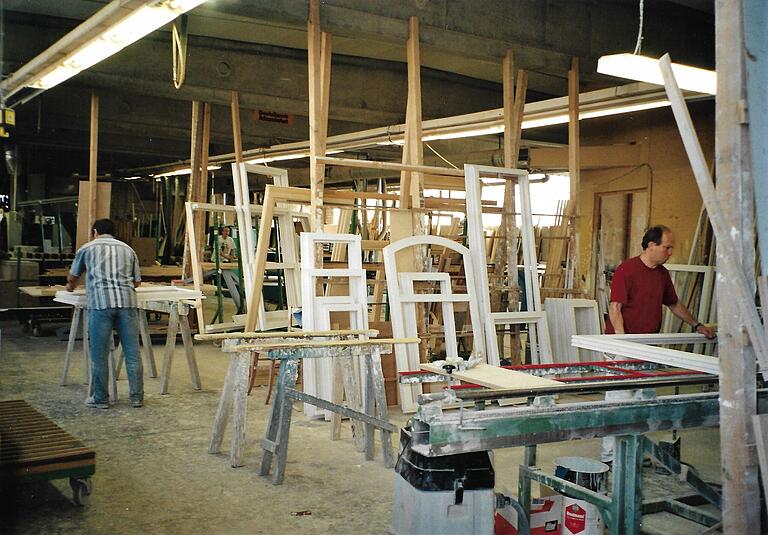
(706, 331)
(72, 283)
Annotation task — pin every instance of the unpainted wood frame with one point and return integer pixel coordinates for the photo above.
(476, 235)
(632, 347)
(288, 246)
(404, 322)
(272, 196)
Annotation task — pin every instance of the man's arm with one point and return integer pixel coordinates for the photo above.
(76, 270)
(72, 282)
(679, 310)
(617, 319)
(136, 270)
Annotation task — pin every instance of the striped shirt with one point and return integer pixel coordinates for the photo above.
(112, 267)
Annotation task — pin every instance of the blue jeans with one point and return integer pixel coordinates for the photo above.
(100, 325)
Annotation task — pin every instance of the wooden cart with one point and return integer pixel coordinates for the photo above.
(32, 447)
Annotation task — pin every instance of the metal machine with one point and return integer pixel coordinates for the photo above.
(479, 426)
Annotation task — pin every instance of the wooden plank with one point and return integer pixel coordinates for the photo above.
(93, 158)
(731, 267)
(495, 377)
(84, 223)
(392, 166)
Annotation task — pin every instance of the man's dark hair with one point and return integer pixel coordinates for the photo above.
(654, 234)
(104, 226)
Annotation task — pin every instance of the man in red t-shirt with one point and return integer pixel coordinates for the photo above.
(640, 288)
(641, 285)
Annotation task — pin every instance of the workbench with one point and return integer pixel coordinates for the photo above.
(476, 427)
(147, 272)
(171, 300)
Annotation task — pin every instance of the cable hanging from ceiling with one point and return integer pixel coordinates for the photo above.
(639, 43)
(179, 39)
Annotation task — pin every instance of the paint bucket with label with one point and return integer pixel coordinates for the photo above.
(581, 517)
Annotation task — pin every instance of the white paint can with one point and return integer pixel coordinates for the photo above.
(581, 517)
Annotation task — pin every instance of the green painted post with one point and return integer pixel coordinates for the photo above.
(627, 503)
(18, 276)
(240, 280)
(219, 303)
(524, 482)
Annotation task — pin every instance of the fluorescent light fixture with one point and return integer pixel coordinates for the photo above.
(132, 178)
(645, 69)
(185, 171)
(140, 22)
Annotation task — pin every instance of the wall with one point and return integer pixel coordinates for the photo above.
(664, 170)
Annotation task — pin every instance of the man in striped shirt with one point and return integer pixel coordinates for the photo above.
(112, 273)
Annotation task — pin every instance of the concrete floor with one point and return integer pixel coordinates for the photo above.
(154, 475)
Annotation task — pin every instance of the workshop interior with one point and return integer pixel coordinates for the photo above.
(407, 266)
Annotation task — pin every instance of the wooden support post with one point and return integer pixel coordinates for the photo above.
(236, 133)
(93, 162)
(201, 194)
(411, 184)
(574, 170)
(319, 60)
(505, 253)
(733, 224)
(194, 177)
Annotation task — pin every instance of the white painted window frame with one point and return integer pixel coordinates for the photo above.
(316, 313)
(638, 346)
(473, 175)
(402, 307)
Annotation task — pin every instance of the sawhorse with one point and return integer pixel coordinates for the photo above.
(374, 415)
(178, 320)
(289, 348)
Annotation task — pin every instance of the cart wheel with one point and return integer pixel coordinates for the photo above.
(81, 490)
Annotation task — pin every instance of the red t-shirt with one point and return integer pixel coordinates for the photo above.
(642, 291)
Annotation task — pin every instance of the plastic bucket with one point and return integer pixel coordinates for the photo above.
(581, 517)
